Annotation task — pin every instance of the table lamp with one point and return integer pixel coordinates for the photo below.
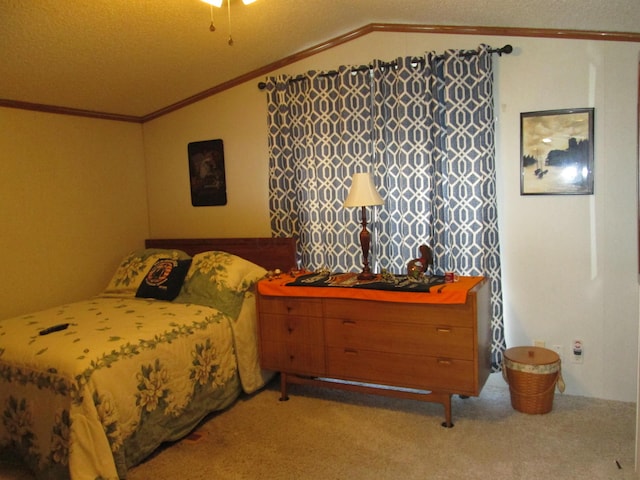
(363, 194)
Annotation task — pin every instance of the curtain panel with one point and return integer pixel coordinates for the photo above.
(425, 128)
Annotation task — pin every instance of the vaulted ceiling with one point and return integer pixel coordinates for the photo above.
(134, 58)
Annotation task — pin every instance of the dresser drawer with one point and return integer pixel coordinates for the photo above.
(290, 328)
(462, 315)
(296, 306)
(293, 358)
(427, 373)
(396, 337)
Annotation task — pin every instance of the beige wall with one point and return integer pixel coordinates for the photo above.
(569, 262)
(72, 203)
(235, 117)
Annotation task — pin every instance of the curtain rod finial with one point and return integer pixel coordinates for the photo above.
(507, 49)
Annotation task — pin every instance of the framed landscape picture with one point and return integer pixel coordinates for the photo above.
(556, 152)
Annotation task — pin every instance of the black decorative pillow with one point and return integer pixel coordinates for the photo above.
(164, 279)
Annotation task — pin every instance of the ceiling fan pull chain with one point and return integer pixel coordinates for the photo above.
(212, 27)
(230, 41)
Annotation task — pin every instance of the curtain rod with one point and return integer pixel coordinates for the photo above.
(507, 49)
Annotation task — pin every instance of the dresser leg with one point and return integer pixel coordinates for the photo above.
(283, 387)
(447, 412)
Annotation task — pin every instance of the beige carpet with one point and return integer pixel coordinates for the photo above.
(326, 434)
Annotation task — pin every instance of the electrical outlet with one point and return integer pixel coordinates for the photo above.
(577, 351)
(558, 350)
(538, 343)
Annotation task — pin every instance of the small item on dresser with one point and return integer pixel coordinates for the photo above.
(417, 267)
(274, 274)
(55, 328)
(451, 277)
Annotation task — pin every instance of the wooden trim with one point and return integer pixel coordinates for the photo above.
(347, 37)
(510, 32)
(270, 252)
(261, 71)
(39, 107)
(400, 28)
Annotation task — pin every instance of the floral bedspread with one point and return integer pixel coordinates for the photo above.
(89, 401)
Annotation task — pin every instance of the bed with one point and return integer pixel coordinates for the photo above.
(171, 339)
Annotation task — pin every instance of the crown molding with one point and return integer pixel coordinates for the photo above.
(399, 28)
(334, 42)
(39, 107)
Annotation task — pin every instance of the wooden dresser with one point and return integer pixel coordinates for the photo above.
(425, 351)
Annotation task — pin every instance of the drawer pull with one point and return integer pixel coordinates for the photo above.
(443, 330)
(350, 351)
(442, 361)
(348, 322)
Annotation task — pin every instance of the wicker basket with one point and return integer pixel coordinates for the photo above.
(532, 374)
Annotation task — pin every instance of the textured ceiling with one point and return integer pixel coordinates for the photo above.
(136, 57)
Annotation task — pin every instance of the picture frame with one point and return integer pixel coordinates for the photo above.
(206, 173)
(556, 152)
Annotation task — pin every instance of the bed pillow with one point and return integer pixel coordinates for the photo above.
(133, 268)
(164, 279)
(219, 280)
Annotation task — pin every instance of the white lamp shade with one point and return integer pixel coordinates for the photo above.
(363, 192)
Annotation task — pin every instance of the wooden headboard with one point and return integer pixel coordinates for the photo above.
(270, 253)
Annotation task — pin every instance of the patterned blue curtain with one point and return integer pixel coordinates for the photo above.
(425, 128)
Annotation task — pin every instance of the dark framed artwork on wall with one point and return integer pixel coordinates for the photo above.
(556, 152)
(206, 173)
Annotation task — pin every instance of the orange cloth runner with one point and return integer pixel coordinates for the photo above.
(447, 293)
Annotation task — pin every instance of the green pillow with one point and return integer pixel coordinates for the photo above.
(219, 280)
